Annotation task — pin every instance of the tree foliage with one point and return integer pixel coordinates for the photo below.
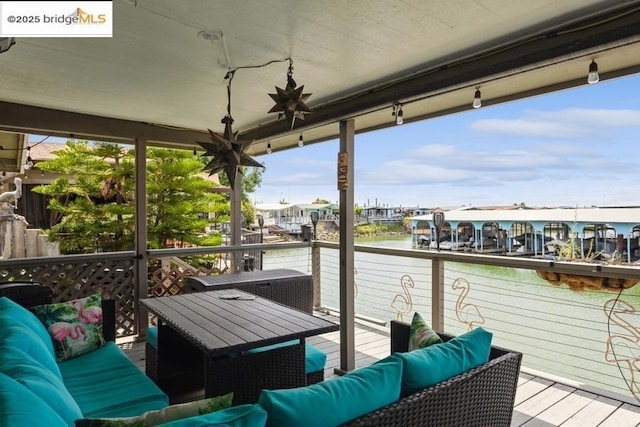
(93, 199)
(251, 179)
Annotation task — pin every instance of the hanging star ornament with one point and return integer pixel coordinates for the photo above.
(290, 100)
(227, 152)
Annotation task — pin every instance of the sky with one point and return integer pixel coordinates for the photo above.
(577, 147)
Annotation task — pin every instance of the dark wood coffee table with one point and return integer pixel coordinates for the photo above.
(203, 340)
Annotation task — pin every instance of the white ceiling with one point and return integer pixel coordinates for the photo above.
(356, 57)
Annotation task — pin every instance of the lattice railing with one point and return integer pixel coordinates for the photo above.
(78, 277)
(168, 274)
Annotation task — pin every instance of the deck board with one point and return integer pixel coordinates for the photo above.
(539, 401)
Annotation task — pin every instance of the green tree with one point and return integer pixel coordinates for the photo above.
(320, 201)
(93, 199)
(251, 178)
(178, 198)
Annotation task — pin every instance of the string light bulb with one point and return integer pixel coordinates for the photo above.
(269, 148)
(477, 99)
(28, 164)
(399, 115)
(300, 141)
(593, 76)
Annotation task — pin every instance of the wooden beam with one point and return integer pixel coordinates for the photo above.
(45, 121)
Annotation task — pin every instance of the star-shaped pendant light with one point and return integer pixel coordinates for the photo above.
(290, 101)
(228, 153)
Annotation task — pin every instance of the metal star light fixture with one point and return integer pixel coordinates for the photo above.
(290, 101)
(228, 153)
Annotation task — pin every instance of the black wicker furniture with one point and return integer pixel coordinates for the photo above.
(203, 340)
(286, 286)
(483, 396)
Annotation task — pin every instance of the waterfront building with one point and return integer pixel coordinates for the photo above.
(587, 233)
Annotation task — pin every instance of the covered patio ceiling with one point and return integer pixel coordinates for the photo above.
(159, 79)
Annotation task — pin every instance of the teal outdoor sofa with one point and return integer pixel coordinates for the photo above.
(38, 390)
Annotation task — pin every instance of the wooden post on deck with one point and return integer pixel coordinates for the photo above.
(141, 263)
(347, 306)
(437, 294)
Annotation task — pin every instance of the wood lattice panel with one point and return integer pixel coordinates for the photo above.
(71, 280)
(169, 274)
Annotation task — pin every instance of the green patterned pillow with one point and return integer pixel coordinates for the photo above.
(75, 326)
(164, 415)
(420, 334)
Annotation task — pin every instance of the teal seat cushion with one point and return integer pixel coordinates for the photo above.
(335, 401)
(19, 407)
(22, 337)
(314, 359)
(105, 383)
(43, 383)
(152, 336)
(238, 416)
(12, 313)
(428, 366)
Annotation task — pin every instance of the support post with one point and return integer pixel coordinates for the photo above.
(347, 306)
(437, 294)
(236, 223)
(315, 273)
(141, 263)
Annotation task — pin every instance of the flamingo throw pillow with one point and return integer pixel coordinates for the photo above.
(75, 326)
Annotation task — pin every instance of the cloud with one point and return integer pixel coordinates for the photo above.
(568, 123)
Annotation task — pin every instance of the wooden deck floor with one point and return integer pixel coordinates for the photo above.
(539, 401)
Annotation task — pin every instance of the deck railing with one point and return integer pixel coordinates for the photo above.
(591, 336)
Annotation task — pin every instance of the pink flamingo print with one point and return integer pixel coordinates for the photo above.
(89, 315)
(60, 331)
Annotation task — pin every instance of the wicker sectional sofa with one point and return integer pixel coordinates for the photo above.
(482, 396)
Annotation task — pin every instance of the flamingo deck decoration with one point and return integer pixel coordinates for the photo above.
(466, 313)
(402, 302)
(628, 345)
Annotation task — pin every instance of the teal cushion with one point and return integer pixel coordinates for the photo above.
(335, 401)
(106, 384)
(238, 416)
(314, 358)
(152, 336)
(43, 383)
(12, 313)
(428, 366)
(19, 407)
(25, 339)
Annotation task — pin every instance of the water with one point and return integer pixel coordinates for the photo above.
(589, 337)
